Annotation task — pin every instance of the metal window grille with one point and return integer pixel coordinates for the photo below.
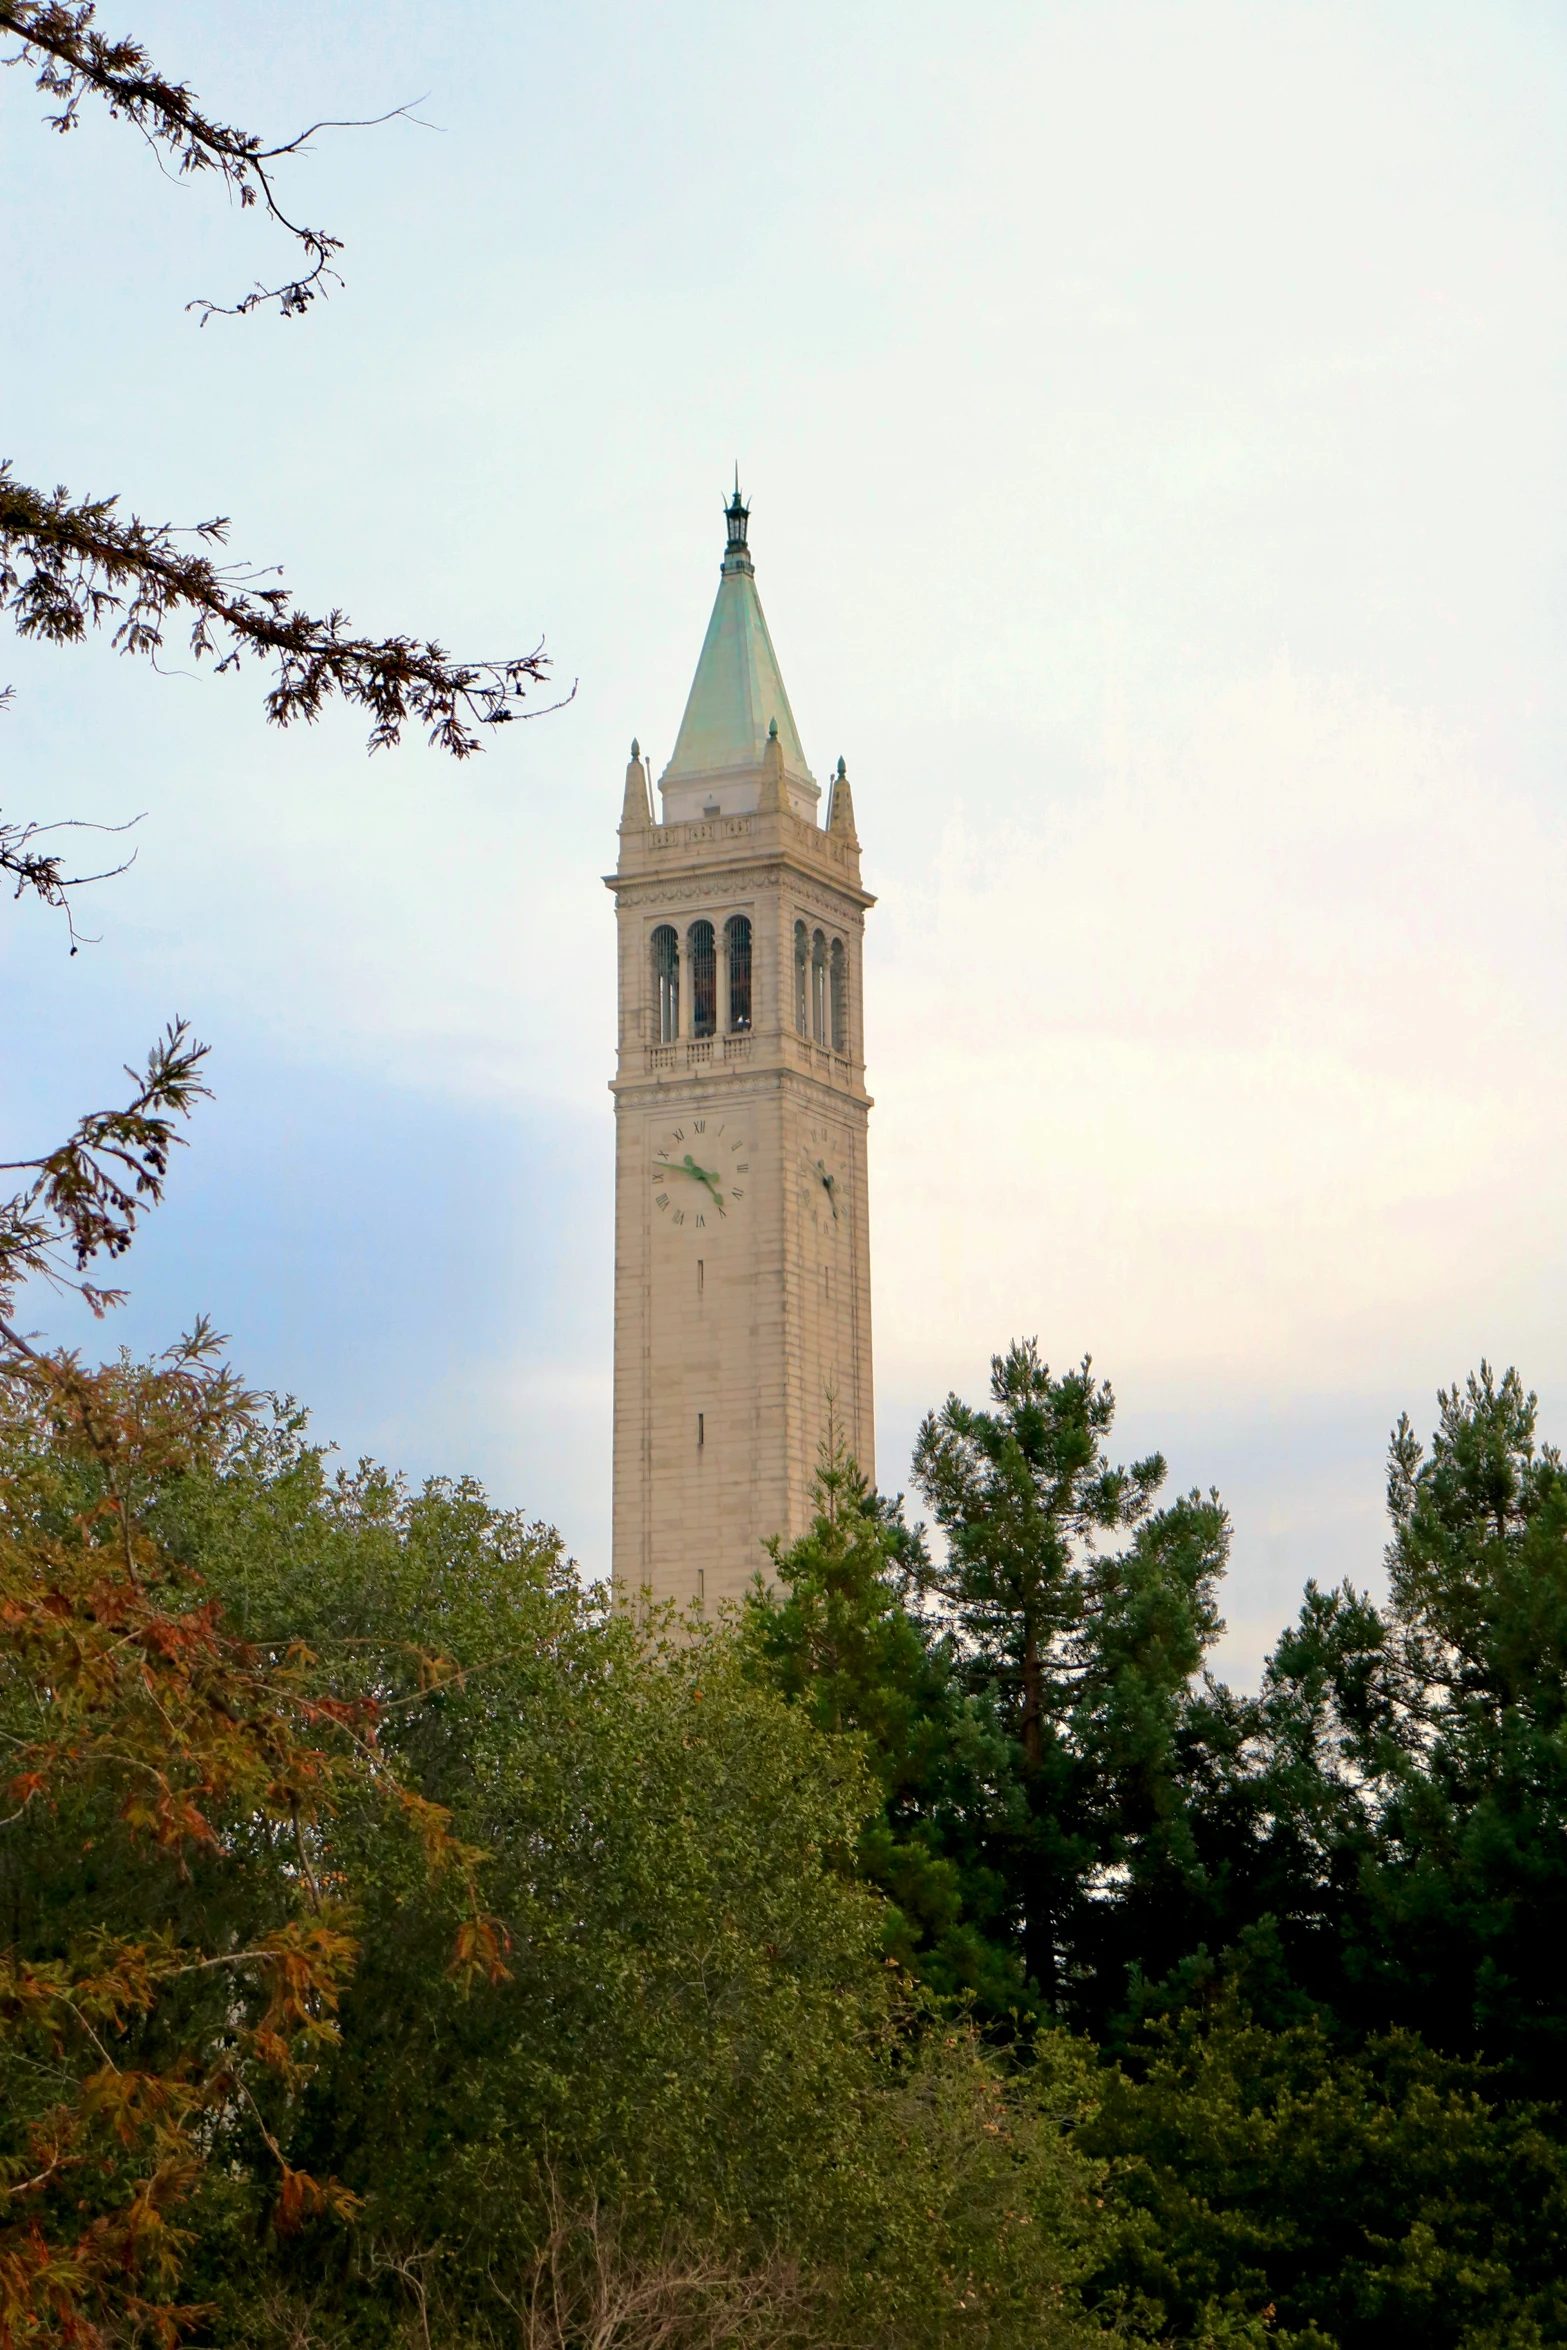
(839, 976)
(702, 955)
(737, 935)
(666, 982)
(802, 952)
(819, 988)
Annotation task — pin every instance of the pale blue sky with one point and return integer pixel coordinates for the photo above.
(1154, 422)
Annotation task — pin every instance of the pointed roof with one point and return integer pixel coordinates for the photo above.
(737, 692)
(636, 814)
(840, 818)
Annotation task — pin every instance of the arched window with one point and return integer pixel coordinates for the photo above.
(839, 975)
(702, 955)
(819, 988)
(666, 982)
(737, 938)
(802, 1001)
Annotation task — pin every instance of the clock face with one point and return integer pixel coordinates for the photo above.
(701, 1173)
(824, 1183)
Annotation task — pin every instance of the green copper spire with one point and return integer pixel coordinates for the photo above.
(737, 692)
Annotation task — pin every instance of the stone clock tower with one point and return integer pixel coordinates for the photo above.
(742, 1256)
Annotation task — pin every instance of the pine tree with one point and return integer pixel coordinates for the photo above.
(1084, 1653)
(834, 1633)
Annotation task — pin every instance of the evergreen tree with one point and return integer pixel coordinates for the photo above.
(1392, 1808)
(1465, 1737)
(1085, 1654)
(1274, 2191)
(833, 1633)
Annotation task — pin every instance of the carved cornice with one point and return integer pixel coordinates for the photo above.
(743, 1078)
(804, 854)
(829, 900)
(707, 888)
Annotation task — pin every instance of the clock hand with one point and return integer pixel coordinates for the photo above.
(688, 1166)
(704, 1175)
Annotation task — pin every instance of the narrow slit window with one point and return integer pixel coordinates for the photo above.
(666, 982)
(737, 936)
(839, 974)
(702, 955)
(802, 959)
(700, 1277)
(819, 988)
(701, 1428)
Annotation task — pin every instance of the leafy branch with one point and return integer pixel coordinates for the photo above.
(69, 565)
(86, 1195)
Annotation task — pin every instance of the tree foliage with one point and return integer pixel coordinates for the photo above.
(85, 1197)
(664, 2069)
(1084, 1650)
(838, 1630)
(404, 1944)
(70, 565)
(1313, 1930)
(181, 1921)
(1274, 2189)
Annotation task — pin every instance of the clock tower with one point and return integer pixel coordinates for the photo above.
(742, 1254)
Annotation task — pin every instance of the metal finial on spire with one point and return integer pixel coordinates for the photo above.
(736, 516)
(772, 730)
(636, 748)
(842, 770)
(736, 689)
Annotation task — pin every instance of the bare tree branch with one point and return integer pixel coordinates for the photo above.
(76, 61)
(67, 566)
(43, 870)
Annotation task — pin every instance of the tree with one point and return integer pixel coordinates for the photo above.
(1277, 2190)
(697, 2087)
(177, 1859)
(1391, 1809)
(834, 1633)
(1086, 1655)
(1472, 1887)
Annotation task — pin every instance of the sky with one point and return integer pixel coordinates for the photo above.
(1153, 417)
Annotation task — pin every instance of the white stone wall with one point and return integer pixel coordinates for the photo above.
(722, 1378)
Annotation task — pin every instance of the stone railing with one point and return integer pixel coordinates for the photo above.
(700, 1053)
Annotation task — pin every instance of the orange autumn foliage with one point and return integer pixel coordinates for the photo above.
(209, 1769)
